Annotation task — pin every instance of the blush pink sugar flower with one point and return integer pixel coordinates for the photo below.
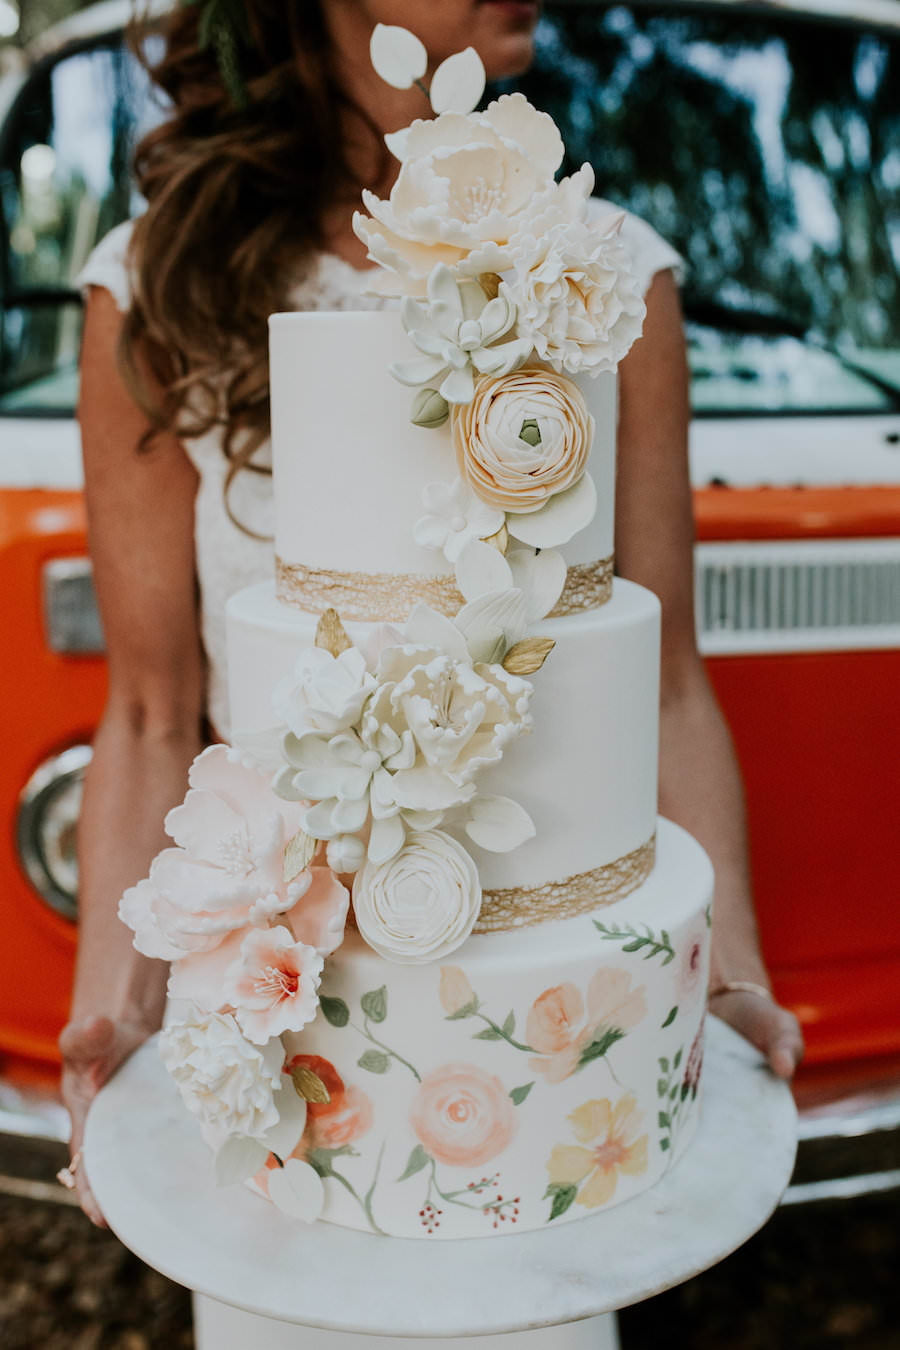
(274, 984)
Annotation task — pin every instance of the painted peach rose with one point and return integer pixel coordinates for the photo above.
(454, 991)
(558, 1029)
(609, 1147)
(523, 441)
(463, 1116)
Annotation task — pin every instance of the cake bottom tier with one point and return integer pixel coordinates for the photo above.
(536, 1077)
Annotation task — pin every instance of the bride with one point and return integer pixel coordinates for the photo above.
(276, 124)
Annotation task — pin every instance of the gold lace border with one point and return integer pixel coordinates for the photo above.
(524, 906)
(391, 596)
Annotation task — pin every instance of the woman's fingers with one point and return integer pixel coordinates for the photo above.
(772, 1029)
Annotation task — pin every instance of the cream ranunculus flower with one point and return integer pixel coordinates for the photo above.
(225, 1081)
(522, 445)
(422, 904)
(577, 301)
(466, 184)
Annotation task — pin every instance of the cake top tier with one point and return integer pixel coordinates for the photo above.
(515, 305)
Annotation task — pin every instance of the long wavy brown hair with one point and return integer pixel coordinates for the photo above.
(235, 201)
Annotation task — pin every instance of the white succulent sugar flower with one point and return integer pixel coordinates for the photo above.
(457, 328)
(454, 517)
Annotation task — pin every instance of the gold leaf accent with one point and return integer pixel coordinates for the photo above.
(490, 284)
(309, 1086)
(331, 633)
(298, 854)
(499, 540)
(528, 655)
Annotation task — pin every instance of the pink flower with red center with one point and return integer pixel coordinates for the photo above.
(274, 984)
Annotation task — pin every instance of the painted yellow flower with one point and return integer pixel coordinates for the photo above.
(608, 1145)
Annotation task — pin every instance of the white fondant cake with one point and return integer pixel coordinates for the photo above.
(512, 1036)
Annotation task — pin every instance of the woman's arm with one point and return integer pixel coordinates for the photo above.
(140, 508)
(700, 785)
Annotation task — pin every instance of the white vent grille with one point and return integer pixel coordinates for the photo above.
(805, 596)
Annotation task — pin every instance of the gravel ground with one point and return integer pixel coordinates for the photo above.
(812, 1280)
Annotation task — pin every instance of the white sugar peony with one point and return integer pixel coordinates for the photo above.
(229, 1084)
(422, 904)
(324, 693)
(467, 184)
(576, 299)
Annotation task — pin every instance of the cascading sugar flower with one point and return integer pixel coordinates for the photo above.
(324, 693)
(273, 985)
(423, 903)
(576, 300)
(522, 444)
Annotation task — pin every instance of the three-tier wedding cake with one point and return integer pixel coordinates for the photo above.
(446, 705)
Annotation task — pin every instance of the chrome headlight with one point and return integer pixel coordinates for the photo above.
(46, 828)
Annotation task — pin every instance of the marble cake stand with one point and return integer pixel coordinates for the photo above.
(151, 1174)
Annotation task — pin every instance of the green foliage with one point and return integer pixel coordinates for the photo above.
(650, 943)
(374, 1004)
(334, 1010)
(563, 1195)
(417, 1160)
(518, 1094)
(374, 1061)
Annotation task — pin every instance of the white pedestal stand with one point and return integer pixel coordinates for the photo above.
(152, 1176)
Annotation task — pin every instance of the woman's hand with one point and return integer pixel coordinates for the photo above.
(92, 1050)
(772, 1029)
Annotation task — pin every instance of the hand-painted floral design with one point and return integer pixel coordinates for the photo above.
(608, 1147)
(456, 992)
(463, 1116)
(692, 965)
(339, 1122)
(694, 1066)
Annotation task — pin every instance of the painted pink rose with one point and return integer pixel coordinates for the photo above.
(273, 986)
(344, 1118)
(555, 1019)
(463, 1116)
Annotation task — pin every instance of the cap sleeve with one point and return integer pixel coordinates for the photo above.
(650, 253)
(108, 266)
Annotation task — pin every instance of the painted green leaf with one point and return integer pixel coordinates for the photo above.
(664, 1144)
(671, 1017)
(664, 1065)
(677, 1060)
(707, 914)
(417, 1160)
(518, 1094)
(489, 1034)
(635, 945)
(662, 1086)
(334, 1010)
(374, 1004)
(466, 1010)
(674, 1093)
(375, 1061)
(685, 1089)
(563, 1196)
(509, 1025)
(598, 1048)
(321, 1159)
(664, 1121)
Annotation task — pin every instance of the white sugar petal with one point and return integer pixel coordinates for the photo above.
(499, 824)
(284, 1137)
(239, 1158)
(541, 578)
(396, 142)
(297, 1190)
(428, 628)
(458, 83)
(386, 838)
(481, 568)
(559, 518)
(398, 56)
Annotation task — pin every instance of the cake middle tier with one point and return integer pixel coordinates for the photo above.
(586, 773)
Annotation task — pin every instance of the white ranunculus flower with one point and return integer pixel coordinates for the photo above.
(454, 517)
(577, 301)
(422, 904)
(467, 183)
(227, 1082)
(325, 693)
